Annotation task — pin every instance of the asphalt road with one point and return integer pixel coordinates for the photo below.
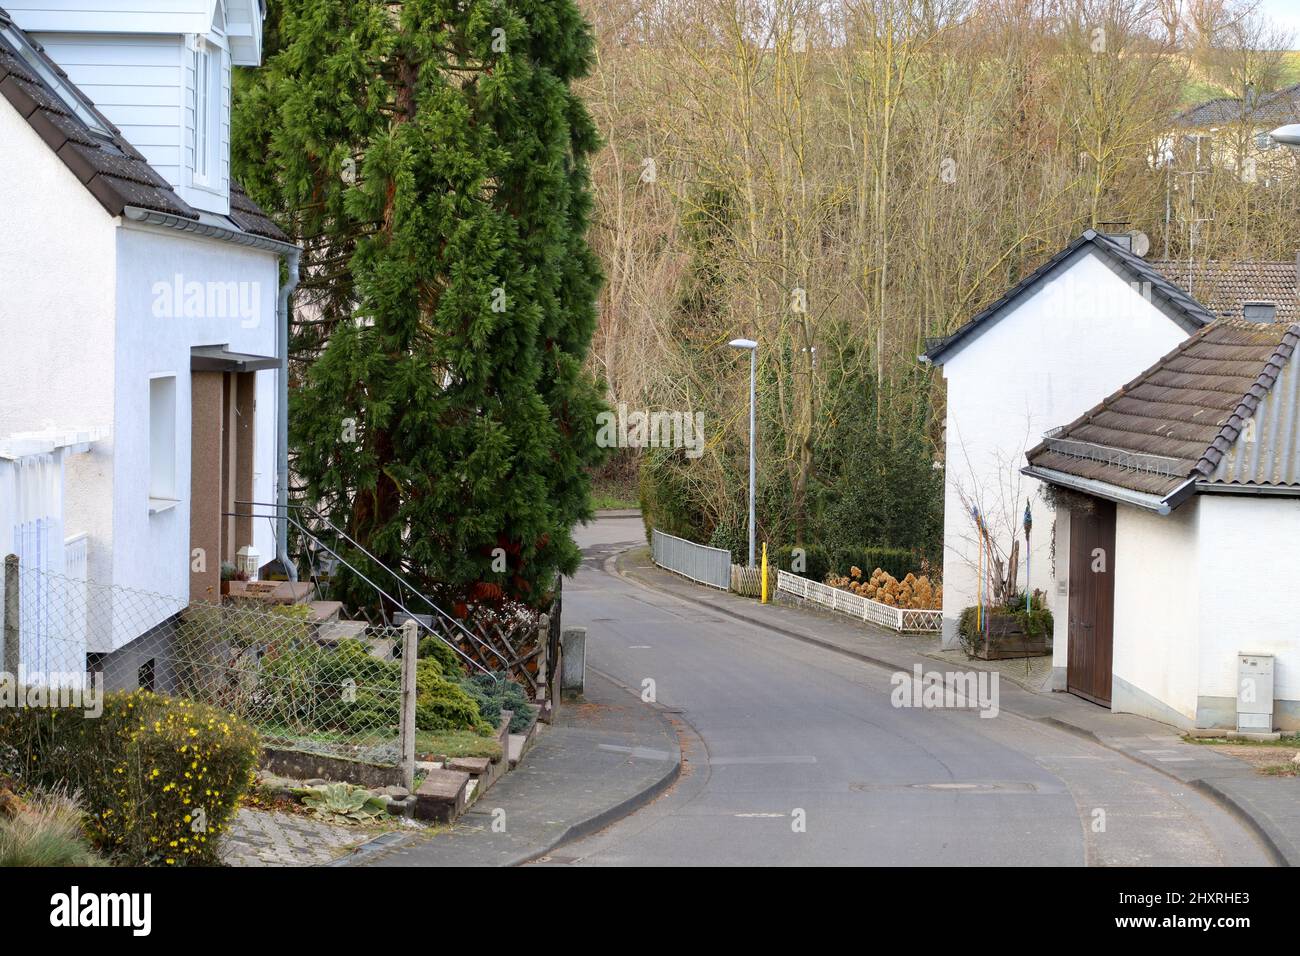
(796, 755)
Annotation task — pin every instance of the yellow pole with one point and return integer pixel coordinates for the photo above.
(764, 572)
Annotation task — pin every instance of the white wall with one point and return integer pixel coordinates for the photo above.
(1249, 554)
(151, 552)
(1158, 587)
(1059, 351)
(58, 261)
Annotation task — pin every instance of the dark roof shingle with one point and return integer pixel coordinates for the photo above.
(1181, 418)
(1280, 106)
(114, 172)
(1226, 287)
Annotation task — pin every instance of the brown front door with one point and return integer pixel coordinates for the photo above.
(1092, 601)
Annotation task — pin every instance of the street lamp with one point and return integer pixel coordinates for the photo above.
(1287, 135)
(752, 347)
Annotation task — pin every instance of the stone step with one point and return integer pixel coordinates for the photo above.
(474, 766)
(323, 612)
(271, 592)
(515, 749)
(442, 796)
(331, 632)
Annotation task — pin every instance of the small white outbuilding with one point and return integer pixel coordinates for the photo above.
(1178, 531)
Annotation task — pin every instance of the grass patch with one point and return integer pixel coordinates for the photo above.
(44, 830)
(614, 502)
(456, 743)
(1286, 740)
(1281, 770)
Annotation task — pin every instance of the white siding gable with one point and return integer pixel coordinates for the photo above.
(146, 17)
(1056, 351)
(136, 82)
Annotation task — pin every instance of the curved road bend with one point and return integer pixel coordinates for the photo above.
(775, 731)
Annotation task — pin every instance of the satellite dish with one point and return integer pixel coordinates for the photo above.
(1141, 243)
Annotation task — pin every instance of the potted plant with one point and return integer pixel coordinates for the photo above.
(1012, 629)
(230, 573)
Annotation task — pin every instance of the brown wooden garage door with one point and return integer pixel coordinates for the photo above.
(1092, 601)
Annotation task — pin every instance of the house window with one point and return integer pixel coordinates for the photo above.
(95, 667)
(162, 442)
(206, 103)
(145, 676)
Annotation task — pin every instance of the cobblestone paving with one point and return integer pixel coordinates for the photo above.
(268, 838)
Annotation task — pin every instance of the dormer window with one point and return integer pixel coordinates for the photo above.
(205, 106)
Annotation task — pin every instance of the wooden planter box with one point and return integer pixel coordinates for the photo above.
(1006, 639)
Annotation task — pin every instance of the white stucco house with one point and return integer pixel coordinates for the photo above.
(1178, 532)
(1090, 319)
(143, 318)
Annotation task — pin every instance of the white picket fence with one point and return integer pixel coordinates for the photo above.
(855, 605)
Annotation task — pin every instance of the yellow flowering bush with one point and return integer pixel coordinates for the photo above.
(159, 776)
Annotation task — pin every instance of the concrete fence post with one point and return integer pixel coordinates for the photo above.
(12, 633)
(410, 654)
(544, 675)
(573, 654)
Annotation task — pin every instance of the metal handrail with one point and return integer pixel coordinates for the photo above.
(411, 614)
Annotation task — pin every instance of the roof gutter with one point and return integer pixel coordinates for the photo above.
(291, 260)
(207, 230)
(1100, 489)
(1262, 491)
(292, 256)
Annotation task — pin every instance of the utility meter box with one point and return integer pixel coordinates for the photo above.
(1255, 693)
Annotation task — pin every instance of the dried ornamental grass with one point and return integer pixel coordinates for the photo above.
(912, 593)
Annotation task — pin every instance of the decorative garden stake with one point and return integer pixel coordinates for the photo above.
(1029, 593)
(979, 570)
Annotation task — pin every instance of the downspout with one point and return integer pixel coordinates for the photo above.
(291, 259)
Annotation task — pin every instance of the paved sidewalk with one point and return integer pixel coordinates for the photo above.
(1270, 805)
(604, 757)
(272, 838)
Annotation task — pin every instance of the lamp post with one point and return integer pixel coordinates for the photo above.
(752, 347)
(1287, 135)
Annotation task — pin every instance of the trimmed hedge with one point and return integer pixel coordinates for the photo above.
(440, 651)
(495, 696)
(159, 777)
(441, 704)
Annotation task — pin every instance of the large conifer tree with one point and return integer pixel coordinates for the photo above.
(433, 158)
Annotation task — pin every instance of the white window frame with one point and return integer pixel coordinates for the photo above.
(207, 97)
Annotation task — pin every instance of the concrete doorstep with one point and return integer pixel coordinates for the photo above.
(1270, 806)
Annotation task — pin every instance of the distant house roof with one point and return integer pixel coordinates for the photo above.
(1280, 106)
(1226, 287)
(1180, 306)
(1219, 413)
(92, 148)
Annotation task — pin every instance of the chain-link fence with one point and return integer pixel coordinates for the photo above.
(328, 687)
